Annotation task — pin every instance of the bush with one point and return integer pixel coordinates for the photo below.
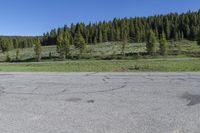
(50, 55)
(17, 54)
(8, 59)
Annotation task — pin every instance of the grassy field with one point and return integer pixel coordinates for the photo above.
(183, 56)
(151, 65)
(92, 51)
(105, 50)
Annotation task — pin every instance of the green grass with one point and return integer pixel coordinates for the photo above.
(28, 53)
(92, 51)
(151, 65)
(105, 50)
(106, 57)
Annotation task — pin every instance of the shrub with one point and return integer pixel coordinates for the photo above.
(8, 59)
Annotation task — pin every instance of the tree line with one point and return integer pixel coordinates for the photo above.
(17, 42)
(175, 26)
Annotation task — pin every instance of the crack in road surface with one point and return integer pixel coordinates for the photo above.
(108, 90)
(105, 79)
(3, 91)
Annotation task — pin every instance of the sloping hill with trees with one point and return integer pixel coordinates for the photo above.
(175, 26)
(158, 34)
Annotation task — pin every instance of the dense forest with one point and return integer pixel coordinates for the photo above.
(13, 42)
(175, 26)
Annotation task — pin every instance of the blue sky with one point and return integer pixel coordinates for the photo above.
(34, 17)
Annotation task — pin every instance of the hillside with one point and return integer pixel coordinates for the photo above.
(109, 50)
(175, 26)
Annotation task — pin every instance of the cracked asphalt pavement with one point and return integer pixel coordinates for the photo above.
(99, 102)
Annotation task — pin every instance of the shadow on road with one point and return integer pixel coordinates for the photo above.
(193, 99)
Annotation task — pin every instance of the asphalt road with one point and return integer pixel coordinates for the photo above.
(100, 103)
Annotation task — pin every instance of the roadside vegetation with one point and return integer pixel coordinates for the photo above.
(146, 65)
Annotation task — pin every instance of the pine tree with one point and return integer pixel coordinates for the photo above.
(182, 35)
(15, 43)
(59, 40)
(124, 41)
(112, 35)
(38, 51)
(151, 43)
(100, 36)
(132, 31)
(198, 38)
(163, 44)
(79, 42)
(137, 35)
(5, 45)
(17, 54)
(194, 33)
(187, 31)
(95, 40)
(66, 44)
(117, 35)
(8, 59)
(167, 28)
(105, 35)
(176, 38)
(63, 43)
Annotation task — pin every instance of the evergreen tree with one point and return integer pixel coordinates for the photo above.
(198, 38)
(176, 37)
(124, 41)
(95, 40)
(151, 43)
(182, 35)
(8, 59)
(105, 36)
(79, 42)
(59, 41)
(167, 27)
(17, 54)
(187, 31)
(63, 43)
(5, 45)
(38, 51)
(100, 36)
(15, 43)
(65, 46)
(112, 34)
(163, 44)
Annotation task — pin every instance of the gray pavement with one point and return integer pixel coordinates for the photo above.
(100, 103)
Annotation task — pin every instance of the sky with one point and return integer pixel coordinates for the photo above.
(34, 17)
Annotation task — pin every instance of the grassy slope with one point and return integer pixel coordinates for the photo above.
(170, 63)
(100, 50)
